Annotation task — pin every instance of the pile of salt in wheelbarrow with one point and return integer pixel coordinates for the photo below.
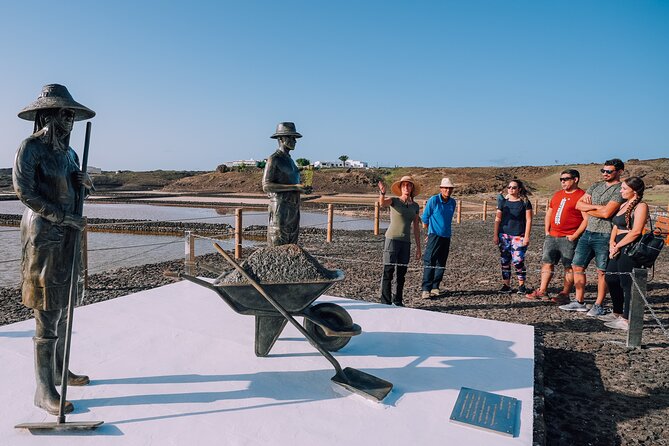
(277, 284)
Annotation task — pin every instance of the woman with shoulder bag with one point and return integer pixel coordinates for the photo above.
(628, 226)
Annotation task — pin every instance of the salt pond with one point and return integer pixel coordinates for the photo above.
(108, 251)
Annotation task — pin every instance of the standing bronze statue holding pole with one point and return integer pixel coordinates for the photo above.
(281, 181)
(48, 180)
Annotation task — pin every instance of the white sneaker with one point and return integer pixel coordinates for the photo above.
(425, 294)
(619, 324)
(574, 305)
(436, 292)
(608, 317)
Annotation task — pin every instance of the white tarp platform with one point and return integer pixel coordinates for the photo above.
(175, 366)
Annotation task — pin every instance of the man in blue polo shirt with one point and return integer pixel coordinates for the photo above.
(437, 219)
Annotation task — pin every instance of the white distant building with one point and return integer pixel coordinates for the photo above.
(334, 164)
(250, 163)
(94, 170)
(327, 164)
(356, 164)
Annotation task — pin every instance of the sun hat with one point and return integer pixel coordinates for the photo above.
(446, 182)
(397, 190)
(56, 96)
(285, 129)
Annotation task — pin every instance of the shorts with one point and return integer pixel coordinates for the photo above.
(592, 245)
(556, 249)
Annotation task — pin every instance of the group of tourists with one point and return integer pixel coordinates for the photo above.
(598, 223)
(405, 218)
(616, 216)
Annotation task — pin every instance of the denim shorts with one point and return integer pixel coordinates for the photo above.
(556, 249)
(592, 245)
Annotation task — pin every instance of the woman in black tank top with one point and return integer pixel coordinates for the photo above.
(628, 226)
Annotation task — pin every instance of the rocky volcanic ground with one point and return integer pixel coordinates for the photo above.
(591, 390)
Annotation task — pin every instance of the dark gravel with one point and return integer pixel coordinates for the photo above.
(279, 264)
(589, 390)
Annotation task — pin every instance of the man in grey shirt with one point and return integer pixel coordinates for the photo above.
(601, 202)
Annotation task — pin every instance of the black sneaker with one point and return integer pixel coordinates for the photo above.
(522, 289)
(506, 289)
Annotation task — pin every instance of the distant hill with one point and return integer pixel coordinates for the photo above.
(148, 180)
(481, 181)
(485, 181)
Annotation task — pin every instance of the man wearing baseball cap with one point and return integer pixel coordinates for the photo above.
(437, 219)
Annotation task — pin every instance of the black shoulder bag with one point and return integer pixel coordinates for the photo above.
(644, 250)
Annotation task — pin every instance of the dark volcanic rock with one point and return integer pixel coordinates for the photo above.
(597, 392)
(280, 264)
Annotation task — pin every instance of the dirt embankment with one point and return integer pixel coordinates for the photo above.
(541, 180)
(483, 182)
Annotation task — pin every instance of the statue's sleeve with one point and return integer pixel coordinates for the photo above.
(268, 174)
(24, 177)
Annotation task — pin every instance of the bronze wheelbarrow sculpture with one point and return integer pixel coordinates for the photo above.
(327, 326)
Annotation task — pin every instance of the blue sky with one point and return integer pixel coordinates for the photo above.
(189, 85)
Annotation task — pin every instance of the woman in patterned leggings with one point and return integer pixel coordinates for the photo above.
(513, 222)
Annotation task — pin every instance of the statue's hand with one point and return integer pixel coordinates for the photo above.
(74, 221)
(83, 179)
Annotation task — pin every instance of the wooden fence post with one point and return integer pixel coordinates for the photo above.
(189, 261)
(635, 318)
(330, 218)
(238, 233)
(485, 210)
(376, 218)
(458, 218)
(536, 206)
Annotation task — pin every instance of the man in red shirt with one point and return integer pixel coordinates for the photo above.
(563, 226)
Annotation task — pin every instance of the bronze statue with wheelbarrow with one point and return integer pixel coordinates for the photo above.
(327, 326)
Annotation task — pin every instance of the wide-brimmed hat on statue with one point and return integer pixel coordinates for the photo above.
(56, 96)
(446, 182)
(397, 189)
(285, 129)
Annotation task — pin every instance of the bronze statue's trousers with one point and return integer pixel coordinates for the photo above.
(52, 325)
(45, 340)
(46, 396)
(72, 378)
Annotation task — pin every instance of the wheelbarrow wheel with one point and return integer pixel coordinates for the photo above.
(333, 315)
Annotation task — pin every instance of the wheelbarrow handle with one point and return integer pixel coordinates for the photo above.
(279, 308)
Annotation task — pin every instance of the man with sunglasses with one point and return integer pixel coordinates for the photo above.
(563, 225)
(601, 202)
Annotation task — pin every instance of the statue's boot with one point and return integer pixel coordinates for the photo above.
(72, 378)
(46, 395)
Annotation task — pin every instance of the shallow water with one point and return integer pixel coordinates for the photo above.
(109, 251)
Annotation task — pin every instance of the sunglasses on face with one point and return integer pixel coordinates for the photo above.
(607, 171)
(512, 187)
(566, 178)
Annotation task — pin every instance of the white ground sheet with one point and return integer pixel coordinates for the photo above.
(175, 366)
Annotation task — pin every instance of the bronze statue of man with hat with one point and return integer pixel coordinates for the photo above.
(48, 180)
(281, 181)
